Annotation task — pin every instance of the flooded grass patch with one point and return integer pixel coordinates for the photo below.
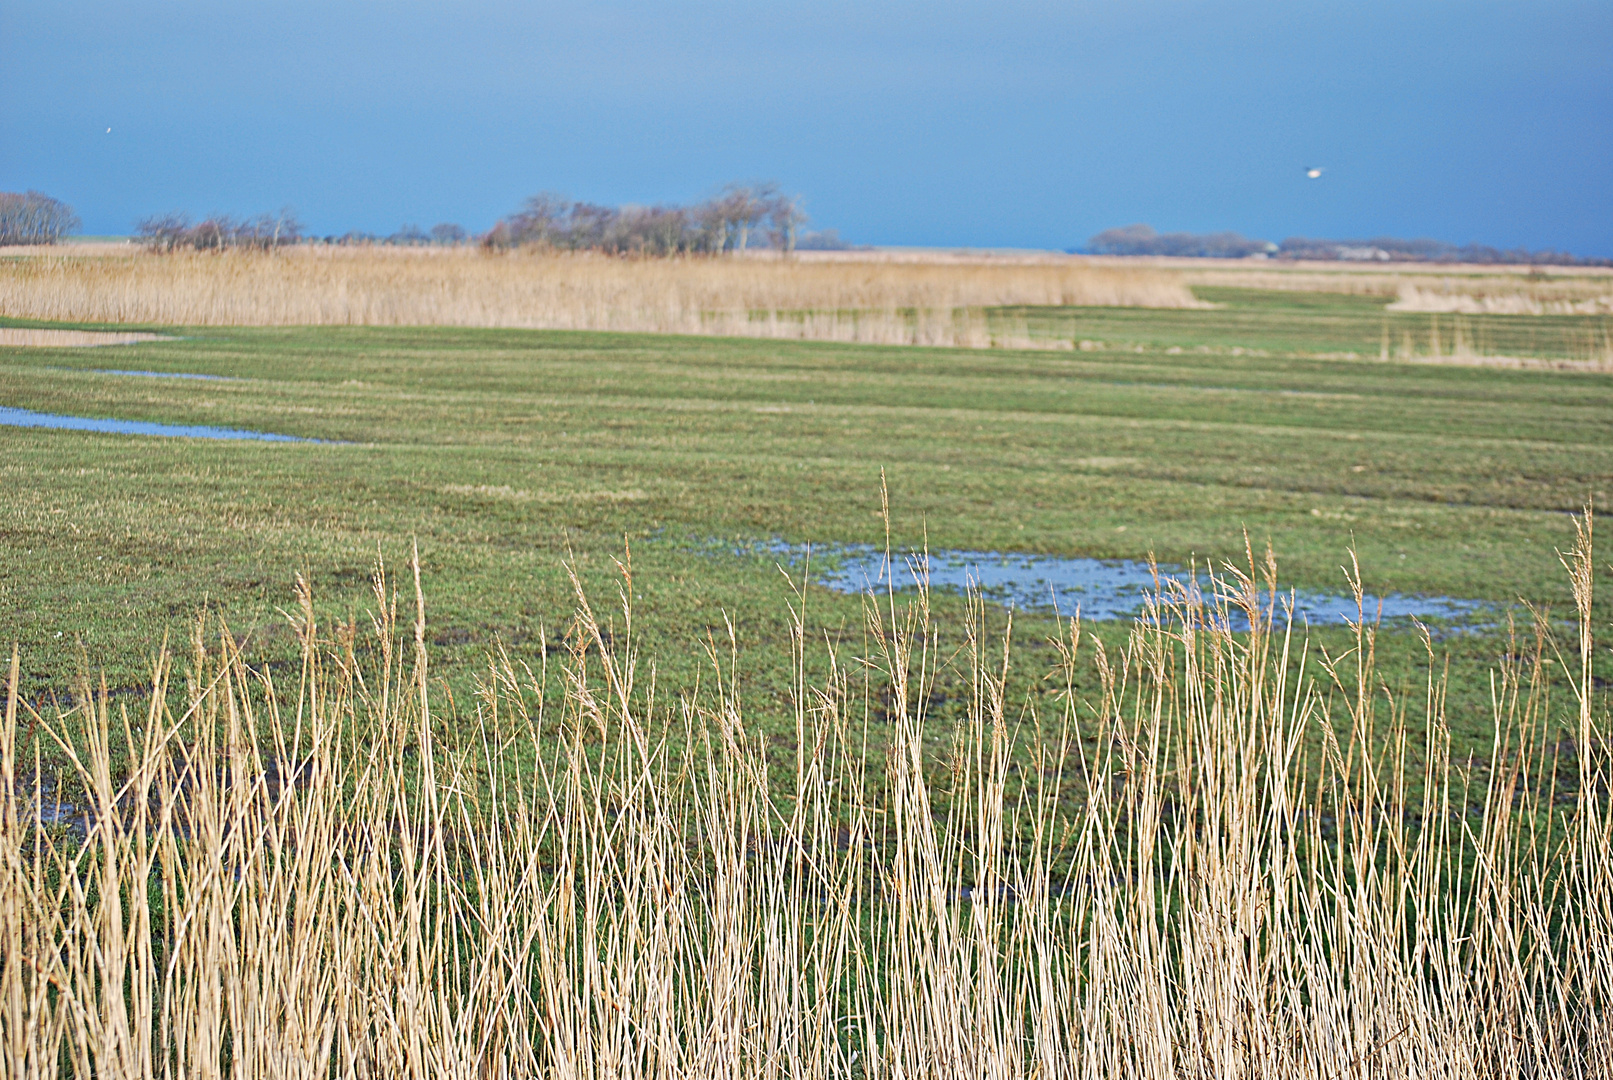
(29, 419)
(1099, 589)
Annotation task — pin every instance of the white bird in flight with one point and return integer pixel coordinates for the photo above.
(1314, 173)
(109, 131)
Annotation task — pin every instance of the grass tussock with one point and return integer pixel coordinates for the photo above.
(873, 300)
(1226, 859)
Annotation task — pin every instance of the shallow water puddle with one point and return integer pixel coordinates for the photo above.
(31, 419)
(1101, 589)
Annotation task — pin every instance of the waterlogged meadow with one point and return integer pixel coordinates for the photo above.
(1095, 589)
(1212, 862)
(268, 813)
(508, 452)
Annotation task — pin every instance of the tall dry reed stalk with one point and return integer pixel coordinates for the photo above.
(872, 300)
(1464, 340)
(1215, 867)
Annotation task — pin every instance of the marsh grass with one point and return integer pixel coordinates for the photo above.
(874, 301)
(1481, 342)
(1229, 858)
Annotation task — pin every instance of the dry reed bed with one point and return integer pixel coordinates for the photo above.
(1584, 296)
(1223, 879)
(1457, 291)
(851, 300)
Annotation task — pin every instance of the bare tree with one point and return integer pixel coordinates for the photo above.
(541, 219)
(447, 233)
(712, 227)
(166, 232)
(723, 223)
(745, 206)
(163, 232)
(287, 229)
(409, 236)
(1143, 240)
(786, 217)
(32, 217)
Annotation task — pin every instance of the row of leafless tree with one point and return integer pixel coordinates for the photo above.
(1424, 249)
(741, 216)
(32, 217)
(737, 218)
(1143, 240)
(443, 234)
(169, 232)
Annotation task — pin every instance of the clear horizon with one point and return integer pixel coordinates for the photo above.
(944, 125)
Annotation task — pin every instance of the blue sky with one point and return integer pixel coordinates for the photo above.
(942, 123)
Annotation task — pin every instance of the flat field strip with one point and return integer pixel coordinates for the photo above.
(507, 451)
(1321, 324)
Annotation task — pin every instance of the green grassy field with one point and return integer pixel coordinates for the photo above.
(506, 453)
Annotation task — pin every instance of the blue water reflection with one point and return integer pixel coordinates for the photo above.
(29, 419)
(1101, 589)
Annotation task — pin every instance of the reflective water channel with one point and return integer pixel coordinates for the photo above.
(29, 419)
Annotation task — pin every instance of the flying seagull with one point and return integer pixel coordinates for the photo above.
(1315, 173)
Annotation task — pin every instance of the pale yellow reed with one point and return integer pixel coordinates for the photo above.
(1209, 867)
(844, 299)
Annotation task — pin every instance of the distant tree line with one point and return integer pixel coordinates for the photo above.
(217, 232)
(1422, 249)
(170, 232)
(32, 217)
(1143, 240)
(741, 216)
(443, 234)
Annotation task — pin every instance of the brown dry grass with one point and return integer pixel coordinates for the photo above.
(1563, 296)
(70, 247)
(842, 298)
(56, 339)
